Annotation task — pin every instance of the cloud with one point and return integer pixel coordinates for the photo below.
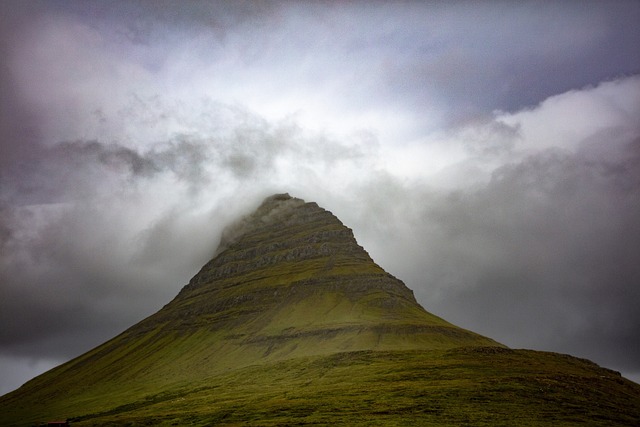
(569, 119)
(92, 227)
(398, 71)
(538, 251)
(548, 246)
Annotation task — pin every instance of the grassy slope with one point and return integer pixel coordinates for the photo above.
(466, 386)
(325, 337)
(133, 366)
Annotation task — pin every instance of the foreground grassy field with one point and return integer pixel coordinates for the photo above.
(481, 386)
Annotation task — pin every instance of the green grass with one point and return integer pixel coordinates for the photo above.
(466, 386)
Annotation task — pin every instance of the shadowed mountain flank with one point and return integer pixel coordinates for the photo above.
(292, 322)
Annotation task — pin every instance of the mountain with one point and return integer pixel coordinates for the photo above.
(292, 322)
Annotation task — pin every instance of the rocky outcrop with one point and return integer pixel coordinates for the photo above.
(283, 229)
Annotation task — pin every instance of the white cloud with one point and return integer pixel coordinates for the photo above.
(569, 119)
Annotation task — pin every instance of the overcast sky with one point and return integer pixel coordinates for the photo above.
(485, 153)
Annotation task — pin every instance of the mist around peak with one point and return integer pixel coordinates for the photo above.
(272, 209)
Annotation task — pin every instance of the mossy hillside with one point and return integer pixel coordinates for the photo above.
(479, 386)
(162, 358)
(292, 322)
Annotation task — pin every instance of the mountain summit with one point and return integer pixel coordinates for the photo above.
(290, 280)
(293, 322)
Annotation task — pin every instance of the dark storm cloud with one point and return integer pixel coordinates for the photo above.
(52, 174)
(562, 237)
(84, 169)
(543, 256)
(111, 156)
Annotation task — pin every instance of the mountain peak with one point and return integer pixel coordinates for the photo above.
(292, 322)
(290, 280)
(273, 209)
